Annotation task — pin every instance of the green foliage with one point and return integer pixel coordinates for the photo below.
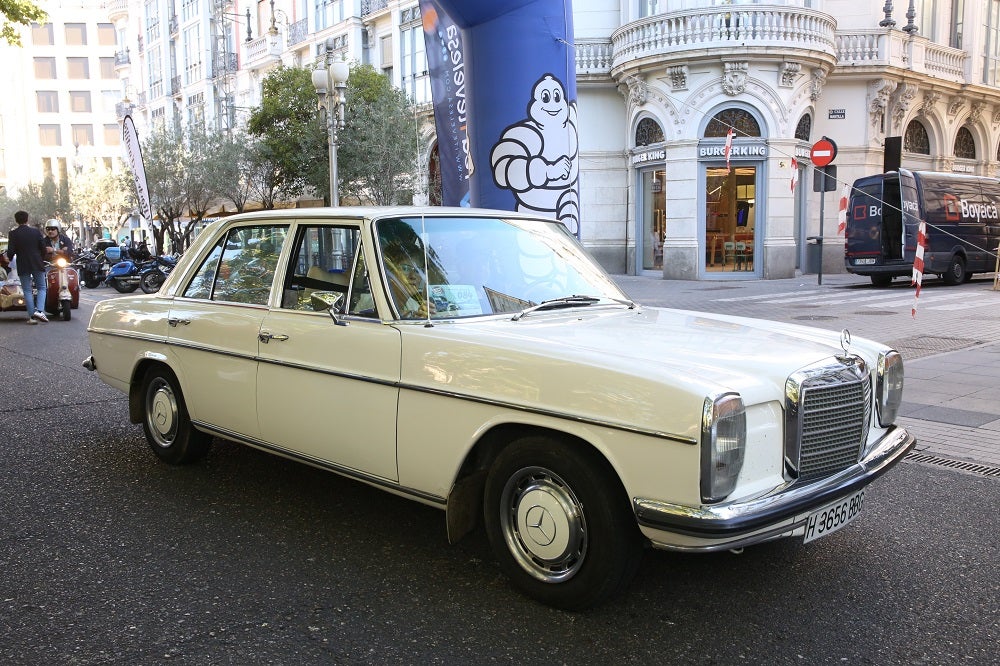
(287, 125)
(378, 149)
(42, 201)
(13, 12)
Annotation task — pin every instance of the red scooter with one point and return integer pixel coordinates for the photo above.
(63, 284)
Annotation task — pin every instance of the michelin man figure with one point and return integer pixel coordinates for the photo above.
(537, 158)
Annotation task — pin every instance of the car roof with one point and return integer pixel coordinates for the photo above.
(374, 212)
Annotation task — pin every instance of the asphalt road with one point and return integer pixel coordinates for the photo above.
(109, 557)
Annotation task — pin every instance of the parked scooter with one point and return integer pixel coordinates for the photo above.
(152, 277)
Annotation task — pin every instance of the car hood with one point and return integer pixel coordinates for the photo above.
(643, 355)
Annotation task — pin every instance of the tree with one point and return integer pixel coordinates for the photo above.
(99, 199)
(41, 201)
(18, 11)
(232, 178)
(378, 147)
(287, 125)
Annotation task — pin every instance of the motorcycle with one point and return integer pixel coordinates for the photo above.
(63, 289)
(93, 263)
(152, 277)
(124, 276)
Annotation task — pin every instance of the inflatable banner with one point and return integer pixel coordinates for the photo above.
(520, 86)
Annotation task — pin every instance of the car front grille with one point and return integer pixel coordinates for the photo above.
(828, 412)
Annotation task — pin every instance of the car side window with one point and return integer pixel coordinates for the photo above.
(241, 268)
(319, 273)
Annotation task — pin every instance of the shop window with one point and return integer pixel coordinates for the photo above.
(965, 145)
(915, 139)
(804, 128)
(740, 120)
(648, 132)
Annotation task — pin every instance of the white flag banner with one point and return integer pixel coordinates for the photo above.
(133, 155)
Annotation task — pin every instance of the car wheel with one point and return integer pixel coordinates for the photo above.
(152, 281)
(559, 523)
(166, 423)
(956, 271)
(65, 309)
(881, 280)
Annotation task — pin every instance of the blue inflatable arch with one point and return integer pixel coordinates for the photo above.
(503, 77)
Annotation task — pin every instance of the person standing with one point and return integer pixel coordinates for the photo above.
(27, 244)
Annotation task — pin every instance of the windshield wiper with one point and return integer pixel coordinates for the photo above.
(554, 303)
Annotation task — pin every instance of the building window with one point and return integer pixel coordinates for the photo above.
(111, 137)
(79, 101)
(108, 68)
(413, 65)
(991, 54)
(915, 139)
(965, 145)
(83, 135)
(48, 101)
(648, 132)
(45, 68)
(385, 52)
(106, 34)
(804, 129)
(76, 34)
(740, 120)
(46, 167)
(41, 35)
(78, 68)
(192, 55)
(328, 13)
(49, 135)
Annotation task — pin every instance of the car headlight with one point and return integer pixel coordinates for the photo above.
(723, 443)
(888, 387)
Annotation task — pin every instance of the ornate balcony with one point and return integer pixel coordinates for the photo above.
(263, 51)
(298, 31)
(753, 31)
(877, 50)
(116, 9)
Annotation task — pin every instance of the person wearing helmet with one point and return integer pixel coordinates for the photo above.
(57, 244)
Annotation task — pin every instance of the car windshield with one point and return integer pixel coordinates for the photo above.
(451, 267)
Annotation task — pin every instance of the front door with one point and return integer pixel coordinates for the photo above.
(730, 241)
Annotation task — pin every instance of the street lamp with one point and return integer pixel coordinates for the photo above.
(331, 83)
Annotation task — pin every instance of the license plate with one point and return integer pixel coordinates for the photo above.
(832, 517)
(864, 262)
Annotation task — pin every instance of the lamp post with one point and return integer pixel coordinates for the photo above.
(331, 83)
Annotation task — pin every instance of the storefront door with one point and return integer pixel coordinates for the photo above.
(730, 220)
(653, 223)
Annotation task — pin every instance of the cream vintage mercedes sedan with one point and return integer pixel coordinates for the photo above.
(482, 362)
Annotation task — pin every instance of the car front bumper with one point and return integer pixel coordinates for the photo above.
(776, 514)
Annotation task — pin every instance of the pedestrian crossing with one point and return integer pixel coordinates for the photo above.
(939, 299)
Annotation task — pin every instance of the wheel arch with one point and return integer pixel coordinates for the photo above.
(135, 396)
(464, 508)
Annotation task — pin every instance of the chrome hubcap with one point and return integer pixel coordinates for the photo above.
(161, 413)
(544, 525)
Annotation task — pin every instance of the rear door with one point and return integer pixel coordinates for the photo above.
(214, 326)
(910, 206)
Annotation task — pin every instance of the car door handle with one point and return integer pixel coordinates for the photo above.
(266, 337)
(174, 322)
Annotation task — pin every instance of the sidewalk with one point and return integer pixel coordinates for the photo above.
(951, 397)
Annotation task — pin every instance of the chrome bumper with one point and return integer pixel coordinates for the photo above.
(771, 515)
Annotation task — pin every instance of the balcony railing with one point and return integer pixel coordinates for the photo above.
(372, 6)
(224, 63)
(731, 27)
(263, 48)
(593, 56)
(893, 48)
(298, 31)
(175, 85)
(116, 9)
(122, 58)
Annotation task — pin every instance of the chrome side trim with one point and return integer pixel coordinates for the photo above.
(733, 519)
(323, 464)
(577, 418)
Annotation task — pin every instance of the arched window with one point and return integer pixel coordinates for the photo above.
(647, 132)
(804, 128)
(741, 121)
(915, 139)
(965, 145)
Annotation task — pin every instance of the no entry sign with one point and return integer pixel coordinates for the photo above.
(823, 152)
